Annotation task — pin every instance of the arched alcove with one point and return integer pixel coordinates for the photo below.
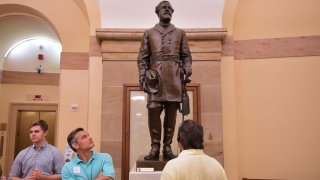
(22, 50)
(28, 41)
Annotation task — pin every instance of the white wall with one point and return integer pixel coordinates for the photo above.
(141, 13)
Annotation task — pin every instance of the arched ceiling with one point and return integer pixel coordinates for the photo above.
(25, 22)
(64, 21)
(8, 9)
(23, 27)
(82, 7)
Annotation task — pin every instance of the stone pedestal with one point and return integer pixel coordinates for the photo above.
(157, 165)
(134, 175)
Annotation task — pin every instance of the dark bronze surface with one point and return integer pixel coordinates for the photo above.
(158, 165)
(165, 52)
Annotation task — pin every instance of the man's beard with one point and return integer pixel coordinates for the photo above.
(166, 20)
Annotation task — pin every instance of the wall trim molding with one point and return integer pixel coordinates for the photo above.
(123, 44)
(272, 47)
(136, 34)
(95, 48)
(74, 60)
(30, 78)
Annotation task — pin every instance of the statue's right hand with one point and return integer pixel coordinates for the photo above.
(141, 80)
(187, 71)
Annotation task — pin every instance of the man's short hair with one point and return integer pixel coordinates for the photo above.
(190, 135)
(71, 138)
(42, 123)
(158, 7)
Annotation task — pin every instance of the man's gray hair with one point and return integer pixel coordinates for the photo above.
(158, 7)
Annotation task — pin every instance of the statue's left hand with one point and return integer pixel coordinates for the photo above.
(187, 71)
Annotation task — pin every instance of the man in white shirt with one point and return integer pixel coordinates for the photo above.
(192, 163)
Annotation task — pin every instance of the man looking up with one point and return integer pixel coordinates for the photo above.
(87, 164)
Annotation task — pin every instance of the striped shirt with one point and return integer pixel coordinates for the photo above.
(47, 159)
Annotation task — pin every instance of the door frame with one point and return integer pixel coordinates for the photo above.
(127, 88)
(12, 126)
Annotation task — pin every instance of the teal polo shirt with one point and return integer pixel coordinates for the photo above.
(77, 169)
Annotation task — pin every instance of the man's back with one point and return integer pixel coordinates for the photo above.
(193, 164)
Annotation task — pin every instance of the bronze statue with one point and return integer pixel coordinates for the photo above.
(164, 60)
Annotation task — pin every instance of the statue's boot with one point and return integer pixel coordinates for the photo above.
(154, 123)
(168, 127)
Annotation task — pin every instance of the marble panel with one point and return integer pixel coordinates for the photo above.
(118, 73)
(210, 99)
(277, 47)
(120, 46)
(227, 46)
(112, 99)
(111, 122)
(132, 56)
(114, 149)
(95, 49)
(212, 126)
(74, 61)
(123, 56)
(206, 56)
(111, 127)
(205, 46)
(206, 73)
(30, 78)
(215, 150)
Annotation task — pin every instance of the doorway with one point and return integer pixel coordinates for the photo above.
(135, 123)
(24, 119)
(20, 117)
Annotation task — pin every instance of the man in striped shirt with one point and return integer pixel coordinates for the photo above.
(41, 160)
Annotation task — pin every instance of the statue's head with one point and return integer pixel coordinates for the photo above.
(164, 11)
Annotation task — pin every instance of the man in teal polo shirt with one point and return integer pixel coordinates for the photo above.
(87, 164)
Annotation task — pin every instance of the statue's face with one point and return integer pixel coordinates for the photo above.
(165, 12)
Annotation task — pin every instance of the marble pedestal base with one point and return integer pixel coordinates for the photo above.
(147, 175)
(157, 165)
(134, 175)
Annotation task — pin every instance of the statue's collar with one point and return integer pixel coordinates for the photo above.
(164, 25)
(164, 30)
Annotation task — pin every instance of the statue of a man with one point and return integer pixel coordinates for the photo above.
(164, 59)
